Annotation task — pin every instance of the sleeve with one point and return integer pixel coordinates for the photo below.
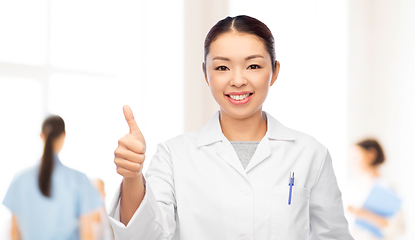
(11, 199)
(327, 219)
(88, 198)
(155, 218)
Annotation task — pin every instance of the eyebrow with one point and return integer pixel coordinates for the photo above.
(246, 59)
(254, 56)
(221, 58)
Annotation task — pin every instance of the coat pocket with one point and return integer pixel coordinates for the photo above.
(290, 221)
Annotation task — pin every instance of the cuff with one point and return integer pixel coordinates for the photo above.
(141, 223)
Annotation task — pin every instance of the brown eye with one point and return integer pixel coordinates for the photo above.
(254, 66)
(222, 68)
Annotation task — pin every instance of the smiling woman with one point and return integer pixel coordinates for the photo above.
(231, 175)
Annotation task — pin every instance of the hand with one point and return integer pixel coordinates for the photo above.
(355, 211)
(130, 153)
(369, 216)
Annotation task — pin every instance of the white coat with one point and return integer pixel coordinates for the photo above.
(197, 189)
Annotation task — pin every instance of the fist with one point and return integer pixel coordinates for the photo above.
(130, 153)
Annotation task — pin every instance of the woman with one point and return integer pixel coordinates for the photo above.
(368, 159)
(50, 200)
(200, 185)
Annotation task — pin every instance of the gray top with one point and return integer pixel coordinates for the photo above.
(245, 150)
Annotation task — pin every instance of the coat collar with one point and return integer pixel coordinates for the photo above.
(212, 131)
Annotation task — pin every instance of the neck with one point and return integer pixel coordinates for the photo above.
(252, 128)
(373, 172)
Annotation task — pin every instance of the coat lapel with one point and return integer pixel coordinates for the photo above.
(275, 132)
(228, 154)
(262, 152)
(212, 133)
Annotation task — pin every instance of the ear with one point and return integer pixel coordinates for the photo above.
(42, 136)
(204, 72)
(275, 73)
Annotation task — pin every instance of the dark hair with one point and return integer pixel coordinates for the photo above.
(52, 128)
(242, 24)
(368, 144)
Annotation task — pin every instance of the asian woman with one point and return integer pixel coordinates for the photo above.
(243, 175)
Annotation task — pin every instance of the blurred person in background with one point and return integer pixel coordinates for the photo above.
(374, 205)
(50, 200)
(101, 226)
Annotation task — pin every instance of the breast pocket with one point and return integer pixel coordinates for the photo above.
(290, 221)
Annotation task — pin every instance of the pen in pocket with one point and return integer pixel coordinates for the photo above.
(291, 184)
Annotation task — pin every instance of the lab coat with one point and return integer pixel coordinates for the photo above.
(197, 188)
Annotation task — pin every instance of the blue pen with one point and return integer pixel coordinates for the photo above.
(291, 184)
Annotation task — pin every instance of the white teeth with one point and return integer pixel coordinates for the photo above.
(239, 97)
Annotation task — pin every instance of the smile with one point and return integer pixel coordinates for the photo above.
(238, 99)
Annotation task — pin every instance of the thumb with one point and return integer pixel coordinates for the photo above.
(129, 116)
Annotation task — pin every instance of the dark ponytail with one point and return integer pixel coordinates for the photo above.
(52, 128)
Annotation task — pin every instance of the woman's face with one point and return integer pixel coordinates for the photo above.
(239, 73)
(363, 158)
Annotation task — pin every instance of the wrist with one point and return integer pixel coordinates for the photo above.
(135, 181)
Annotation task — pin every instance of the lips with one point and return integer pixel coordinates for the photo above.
(237, 93)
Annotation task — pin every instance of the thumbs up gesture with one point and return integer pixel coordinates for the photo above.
(129, 155)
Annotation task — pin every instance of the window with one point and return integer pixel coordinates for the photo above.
(84, 60)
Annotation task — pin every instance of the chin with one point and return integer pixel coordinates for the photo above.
(239, 113)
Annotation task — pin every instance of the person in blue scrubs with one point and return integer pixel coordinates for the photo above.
(50, 200)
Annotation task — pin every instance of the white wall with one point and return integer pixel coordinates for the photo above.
(200, 16)
(382, 88)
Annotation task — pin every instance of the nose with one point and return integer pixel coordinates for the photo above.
(238, 79)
